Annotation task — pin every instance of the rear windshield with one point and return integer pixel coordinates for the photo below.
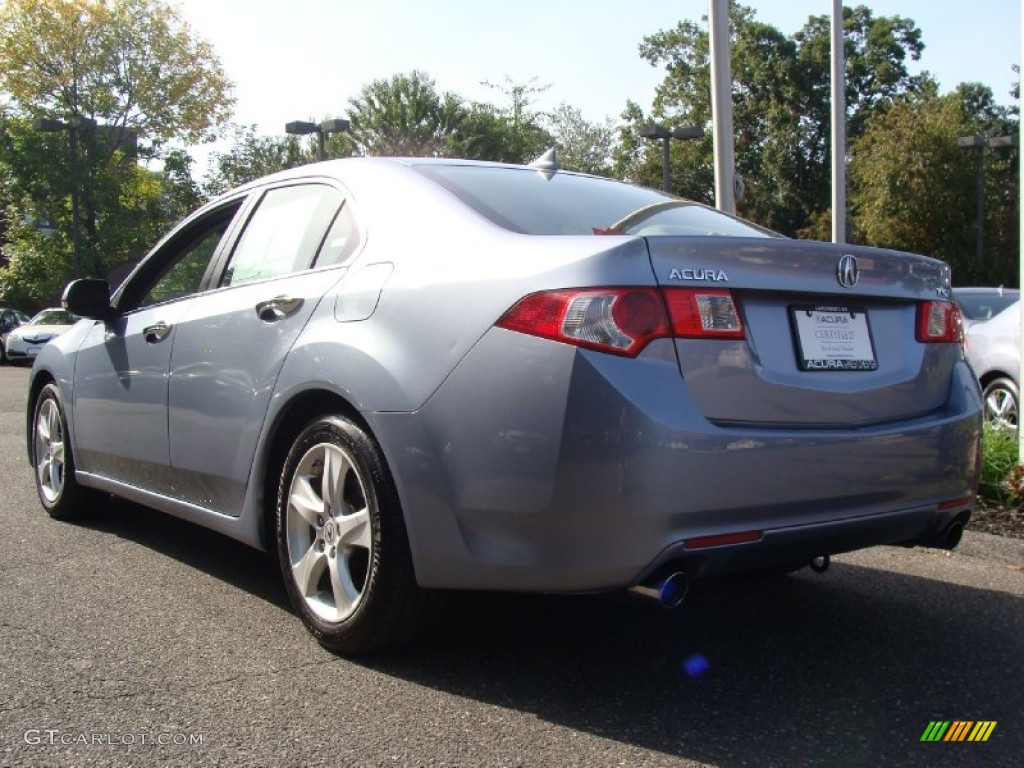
(534, 203)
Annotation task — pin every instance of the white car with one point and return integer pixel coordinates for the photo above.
(993, 350)
(25, 341)
(980, 304)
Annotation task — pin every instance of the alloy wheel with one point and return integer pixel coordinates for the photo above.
(329, 534)
(49, 450)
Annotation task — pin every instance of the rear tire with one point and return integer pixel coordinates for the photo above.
(1001, 400)
(59, 491)
(342, 544)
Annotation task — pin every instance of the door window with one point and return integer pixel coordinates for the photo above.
(283, 234)
(177, 270)
(340, 245)
(186, 274)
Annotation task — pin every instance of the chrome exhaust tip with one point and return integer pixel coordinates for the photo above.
(668, 592)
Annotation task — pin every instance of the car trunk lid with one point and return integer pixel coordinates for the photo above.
(829, 331)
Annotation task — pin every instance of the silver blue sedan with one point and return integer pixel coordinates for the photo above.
(412, 376)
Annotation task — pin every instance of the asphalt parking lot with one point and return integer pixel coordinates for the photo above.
(137, 639)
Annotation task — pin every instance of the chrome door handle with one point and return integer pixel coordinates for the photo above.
(277, 308)
(156, 333)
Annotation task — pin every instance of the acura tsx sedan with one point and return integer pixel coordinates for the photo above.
(408, 376)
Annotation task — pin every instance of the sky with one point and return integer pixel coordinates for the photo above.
(304, 59)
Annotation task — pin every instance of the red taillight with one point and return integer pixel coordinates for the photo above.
(939, 321)
(703, 314)
(620, 320)
(624, 320)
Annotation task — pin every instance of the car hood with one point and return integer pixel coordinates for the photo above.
(35, 331)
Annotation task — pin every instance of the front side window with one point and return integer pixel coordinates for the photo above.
(283, 234)
(185, 275)
(177, 269)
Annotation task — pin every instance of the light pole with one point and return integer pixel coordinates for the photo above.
(656, 132)
(302, 128)
(980, 142)
(72, 126)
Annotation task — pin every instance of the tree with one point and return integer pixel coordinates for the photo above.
(253, 156)
(524, 135)
(135, 205)
(404, 116)
(407, 116)
(780, 112)
(914, 189)
(136, 69)
(583, 145)
(131, 64)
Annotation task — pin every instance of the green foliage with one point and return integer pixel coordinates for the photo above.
(521, 131)
(131, 64)
(1001, 478)
(781, 107)
(252, 157)
(582, 145)
(124, 209)
(37, 263)
(135, 69)
(914, 189)
(404, 116)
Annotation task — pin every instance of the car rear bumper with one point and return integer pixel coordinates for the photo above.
(599, 470)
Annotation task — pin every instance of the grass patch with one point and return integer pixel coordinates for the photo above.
(1002, 479)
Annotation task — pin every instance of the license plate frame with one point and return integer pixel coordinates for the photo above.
(830, 337)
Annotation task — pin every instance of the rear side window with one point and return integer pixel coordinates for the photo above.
(530, 202)
(283, 234)
(342, 239)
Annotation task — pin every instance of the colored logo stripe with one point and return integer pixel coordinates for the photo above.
(982, 730)
(958, 730)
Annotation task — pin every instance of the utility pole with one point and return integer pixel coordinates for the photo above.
(721, 107)
(838, 125)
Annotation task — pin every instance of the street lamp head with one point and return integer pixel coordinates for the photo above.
(654, 132)
(334, 126)
(46, 125)
(301, 127)
(689, 132)
(970, 141)
(995, 142)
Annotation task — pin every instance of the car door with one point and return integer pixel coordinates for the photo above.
(232, 342)
(120, 375)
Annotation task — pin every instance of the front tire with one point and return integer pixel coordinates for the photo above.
(59, 491)
(342, 544)
(1001, 400)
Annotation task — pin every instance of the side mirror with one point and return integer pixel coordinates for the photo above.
(88, 298)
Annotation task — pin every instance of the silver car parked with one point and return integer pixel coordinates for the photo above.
(993, 349)
(410, 376)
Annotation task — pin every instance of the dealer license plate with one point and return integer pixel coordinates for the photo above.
(831, 338)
